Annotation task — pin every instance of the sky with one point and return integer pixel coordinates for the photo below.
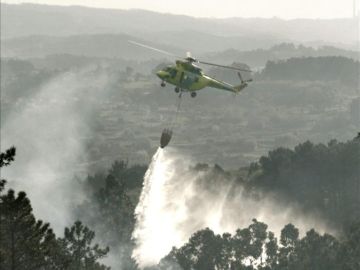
(286, 9)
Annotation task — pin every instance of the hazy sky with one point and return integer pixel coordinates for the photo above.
(287, 9)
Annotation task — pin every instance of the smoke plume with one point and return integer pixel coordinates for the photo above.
(49, 131)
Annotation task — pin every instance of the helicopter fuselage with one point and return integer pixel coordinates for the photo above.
(186, 76)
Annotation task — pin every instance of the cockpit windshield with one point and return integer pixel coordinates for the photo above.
(171, 70)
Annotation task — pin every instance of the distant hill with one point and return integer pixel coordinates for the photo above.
(195, 34)
(259, 57)
(100, 45)
(314, 69)
(300, 69)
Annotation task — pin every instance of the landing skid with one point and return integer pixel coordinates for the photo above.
(179, 91)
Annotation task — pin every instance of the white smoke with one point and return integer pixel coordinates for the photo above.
(177, 201)
(48, 131)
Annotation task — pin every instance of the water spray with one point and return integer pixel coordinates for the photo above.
(177, 200)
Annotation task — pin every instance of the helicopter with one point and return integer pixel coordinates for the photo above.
(186, 76)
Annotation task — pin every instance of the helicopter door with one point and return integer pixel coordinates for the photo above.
(187, 80)
(181, 77)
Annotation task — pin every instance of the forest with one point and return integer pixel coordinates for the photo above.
(267, 179)
(322, 177)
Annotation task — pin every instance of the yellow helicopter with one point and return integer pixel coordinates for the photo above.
(187, 77)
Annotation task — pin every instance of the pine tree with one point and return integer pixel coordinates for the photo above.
(349, 255)
(77, 242)
(25, 241)
(7, 157)
(5, 160)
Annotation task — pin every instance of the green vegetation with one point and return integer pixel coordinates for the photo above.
(334, 68)
(316, 176)
(302, 91)
(28, 243)
(255, 247)
(281, 51)
(275, 110)
(110, 206)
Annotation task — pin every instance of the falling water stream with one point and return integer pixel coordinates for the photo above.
(177, 200)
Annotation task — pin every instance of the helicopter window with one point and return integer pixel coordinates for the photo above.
(173, 73)
(196, 70)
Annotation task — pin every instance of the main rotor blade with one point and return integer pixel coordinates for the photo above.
(152, 48)
(228, 67)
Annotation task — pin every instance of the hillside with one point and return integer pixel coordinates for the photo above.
(259, 57)
(314, 69)
(29, 19)
(100, 45)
